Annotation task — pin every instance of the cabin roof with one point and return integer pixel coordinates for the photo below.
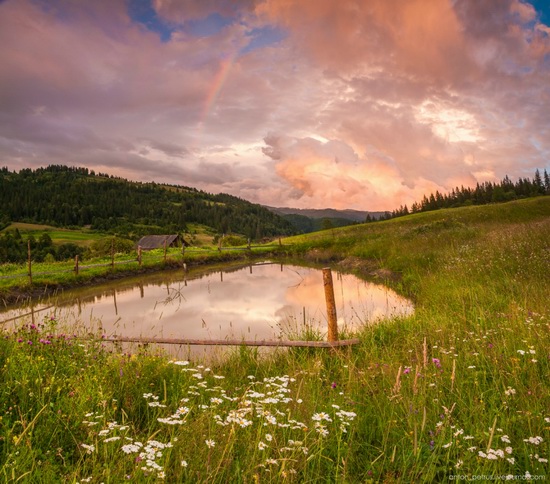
(157, 241)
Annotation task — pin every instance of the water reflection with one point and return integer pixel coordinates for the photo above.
(261, 301)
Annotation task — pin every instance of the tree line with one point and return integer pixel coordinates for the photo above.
(482, 194)
(13, 248)
(74, 197)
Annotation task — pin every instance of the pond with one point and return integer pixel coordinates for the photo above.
(260, 301)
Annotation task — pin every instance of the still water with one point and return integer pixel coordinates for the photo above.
(260, 301)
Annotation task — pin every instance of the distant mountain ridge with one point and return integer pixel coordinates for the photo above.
(308, 220)
(319, 213)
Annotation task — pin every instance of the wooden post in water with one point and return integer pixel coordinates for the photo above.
(76, 264)
(29, 260)
(331, 305)
(139, 255)
(114, 300)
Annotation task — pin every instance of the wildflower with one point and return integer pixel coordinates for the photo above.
(521, 352)
(261, 445)
(271, 419)
(156, 404)
(131, 448)
(209, 443)
(407, 370)
(89, 448)
(510, 391)
(436, 362)
(268, 437)
(446, 446)
(112, 439)
(534, 440)
(321, 416)
(505, 439)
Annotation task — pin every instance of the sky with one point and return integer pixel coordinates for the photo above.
(349, 104)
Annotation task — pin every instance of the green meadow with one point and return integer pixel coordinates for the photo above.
(458, 391)
(82, 237)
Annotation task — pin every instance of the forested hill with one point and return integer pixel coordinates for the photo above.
(68, 197)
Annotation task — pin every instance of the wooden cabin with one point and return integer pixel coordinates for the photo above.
(150, 242)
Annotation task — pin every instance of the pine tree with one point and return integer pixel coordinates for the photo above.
(538, 183)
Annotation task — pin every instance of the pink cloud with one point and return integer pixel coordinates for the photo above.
(362, 104)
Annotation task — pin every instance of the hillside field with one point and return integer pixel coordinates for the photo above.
(82, 237)
(457, 391)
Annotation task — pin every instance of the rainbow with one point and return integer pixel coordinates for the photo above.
(217, 86)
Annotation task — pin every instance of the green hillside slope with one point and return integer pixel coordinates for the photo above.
(70, 197)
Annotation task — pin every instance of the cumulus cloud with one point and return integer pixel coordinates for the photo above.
(357, 104)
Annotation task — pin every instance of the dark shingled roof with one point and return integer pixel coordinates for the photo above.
(150, 242)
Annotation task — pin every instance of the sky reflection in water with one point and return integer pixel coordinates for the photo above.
(263, 301)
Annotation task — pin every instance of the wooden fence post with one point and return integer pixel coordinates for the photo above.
(164, 250)
(331, 305)
(113, 253)
(76, 264)
(29, 260)
(220, 244)
(139, 255)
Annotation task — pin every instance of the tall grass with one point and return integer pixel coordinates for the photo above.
(460, 388)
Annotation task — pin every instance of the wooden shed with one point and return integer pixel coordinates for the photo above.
(150, 242)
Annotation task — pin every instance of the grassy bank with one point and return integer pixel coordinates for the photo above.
(48, 277)
(459, 388)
